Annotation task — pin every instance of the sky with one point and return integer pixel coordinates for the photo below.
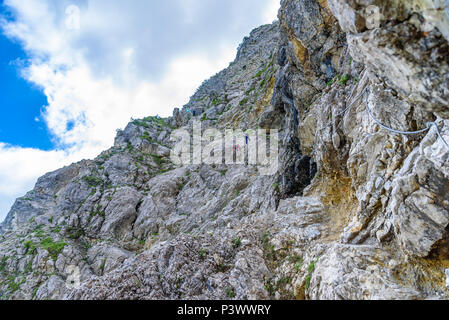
(72, 72)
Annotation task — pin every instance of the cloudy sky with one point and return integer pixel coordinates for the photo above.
(72, 72)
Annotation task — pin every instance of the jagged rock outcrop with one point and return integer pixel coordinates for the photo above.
(354, 211)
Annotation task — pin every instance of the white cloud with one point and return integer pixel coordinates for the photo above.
(126, 59)
(73, 96)
(20, 167)
(271, 11)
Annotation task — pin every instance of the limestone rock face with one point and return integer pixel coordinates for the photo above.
(403, 42)
(354, 211)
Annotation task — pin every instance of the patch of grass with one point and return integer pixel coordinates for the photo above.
(74, 232)
(202, 254)
(33, 295)
(3, 264)
(146, 136)
(311, 267)
(97, 212)
(298, 261)
(92, 181)
(201, 99)
(13, 286)
(53, 248)
(29, 267)
(266, 238)
(30, 247)
(258, 74)
(86, 245)
(230, 293)
(179, 281)
(216, 102)
(140, 123)
(102, 266)
(159, 161)
(236, 242)
(330, 82)
(106, 157)
(308, 278)
(276, 187)
(222, 267)
(56, 229)
(283, 281)
(261, 72)
(180, 186)
(270, 253)
(38, 232)
(270, 286)
(244, 101)
(204, 117)
(159, 121)
(343, 79)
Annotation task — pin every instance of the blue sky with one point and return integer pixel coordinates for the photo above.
(74, 71)
(21, 101)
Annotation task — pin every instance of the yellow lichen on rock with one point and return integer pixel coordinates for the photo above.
(266, 99)
(336, 193)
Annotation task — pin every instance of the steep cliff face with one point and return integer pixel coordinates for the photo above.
(354, 211)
